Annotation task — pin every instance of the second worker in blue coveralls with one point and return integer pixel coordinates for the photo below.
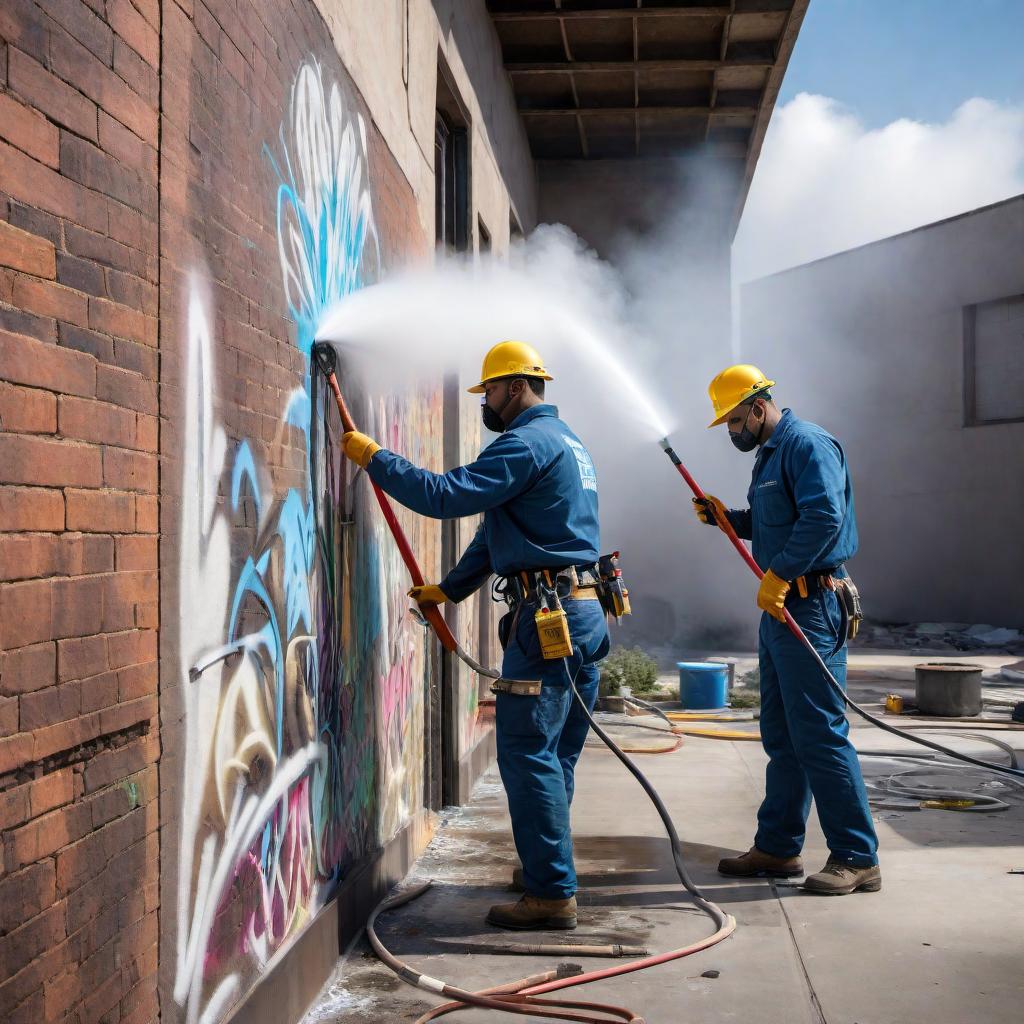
(802, 527)
(537, 490)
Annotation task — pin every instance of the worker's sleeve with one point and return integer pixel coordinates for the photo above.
(504, 469)
(742, 522)
(818, 485)
(471, 571)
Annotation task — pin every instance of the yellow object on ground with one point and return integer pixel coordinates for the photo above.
(948, 805)
(359, 448)
(429, 593)
(733, 386)
(893, 704)
(510, 359)
(771, 595)
(716, 734)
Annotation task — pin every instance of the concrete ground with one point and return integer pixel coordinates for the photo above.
(942, 943)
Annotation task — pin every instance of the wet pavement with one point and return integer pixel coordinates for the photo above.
(940, 944)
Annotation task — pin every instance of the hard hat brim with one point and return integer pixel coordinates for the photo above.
(767, 386)
(479, 389)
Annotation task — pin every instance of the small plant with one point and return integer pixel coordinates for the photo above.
(628, 666)
(747, 694)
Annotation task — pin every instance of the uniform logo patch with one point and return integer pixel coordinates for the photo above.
(588, 475)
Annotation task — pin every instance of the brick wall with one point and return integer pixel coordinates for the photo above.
(78, 510)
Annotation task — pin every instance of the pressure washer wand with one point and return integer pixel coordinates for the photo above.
(794, 628)
(327, 361)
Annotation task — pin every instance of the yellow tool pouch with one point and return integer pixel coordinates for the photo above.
(553, 633)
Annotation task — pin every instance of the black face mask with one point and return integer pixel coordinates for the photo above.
(746, 440)
(492, 420)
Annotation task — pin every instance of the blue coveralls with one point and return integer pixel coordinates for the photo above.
(801, 520)
(537, 490)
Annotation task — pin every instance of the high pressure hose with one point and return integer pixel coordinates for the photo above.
(794, 628)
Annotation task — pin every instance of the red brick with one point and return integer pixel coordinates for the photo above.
(99, 1002)
(56, 99)
(82, 554)
(131, 648)
(27, 410)
(124, 715)
(31, 978)
(138, 552)
(141, 1005)
(147, 518)
(126, 21)
(26, 613)
(31, 508)
(77, 606)
(99, 692)
(21, 250)
(47, 298)
(137, 681)
(131, 290)
(121, 322)
(19, 321)
(87, 164)
(126, 146)
(81, 657)
(31, 1011)
(74, 63)
(15, 751)
(24, 944)
(61, 992)
(83, 340)
(96, 421)
(14, 809)
(100, 511)
(25, 895)
(28, 669)
(26, 459)
(111, 765)
(82, 861)
(32, 182)
(130, 471)
(29, 131)
(130, 227)
(82, 275)
(8, 716)
(39, 365)
(147, 615)
(83, 24)
(112, 803)
(147, 433)
(48, 834)
(65, 735)
(50, 706)
(27, 556)
(51, 791)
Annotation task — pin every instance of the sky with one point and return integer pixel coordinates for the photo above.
(893, 114)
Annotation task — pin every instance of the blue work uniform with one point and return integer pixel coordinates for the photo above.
(537, 489)
(801, 521)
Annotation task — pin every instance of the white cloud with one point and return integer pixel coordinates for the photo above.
(825, 183)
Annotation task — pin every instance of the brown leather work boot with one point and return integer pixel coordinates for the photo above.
(756, 863)
(839, 879)
(534, 913)
(517, 884)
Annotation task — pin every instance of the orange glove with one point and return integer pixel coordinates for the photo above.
(428, 594)
(771, 595)
(359, 448)
(706, 509)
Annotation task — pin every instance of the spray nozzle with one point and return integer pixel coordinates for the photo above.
(665, 444)
(326, 358)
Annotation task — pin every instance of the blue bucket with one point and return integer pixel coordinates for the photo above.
(703, 685)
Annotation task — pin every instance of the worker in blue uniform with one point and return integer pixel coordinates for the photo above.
(537, 489)
(802, 526)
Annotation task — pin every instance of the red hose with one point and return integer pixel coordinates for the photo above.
(429, 611)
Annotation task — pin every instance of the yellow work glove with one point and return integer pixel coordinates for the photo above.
(771, 595)
(430, 593)
(359, 448)
(706, 507)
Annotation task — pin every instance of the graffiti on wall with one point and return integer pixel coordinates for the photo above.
(302, 672)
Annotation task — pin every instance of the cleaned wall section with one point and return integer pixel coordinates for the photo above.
(870, 344)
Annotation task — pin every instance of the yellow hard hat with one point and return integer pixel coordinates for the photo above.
(734, 386)
(510, 359)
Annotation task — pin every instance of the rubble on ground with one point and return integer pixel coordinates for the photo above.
(939, 636)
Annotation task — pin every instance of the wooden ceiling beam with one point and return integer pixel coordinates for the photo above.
(723, 113)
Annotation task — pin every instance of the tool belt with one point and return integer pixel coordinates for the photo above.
(845, 590)
(567, 583)
(519, 687)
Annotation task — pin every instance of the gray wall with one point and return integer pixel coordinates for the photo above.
(870, 343)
